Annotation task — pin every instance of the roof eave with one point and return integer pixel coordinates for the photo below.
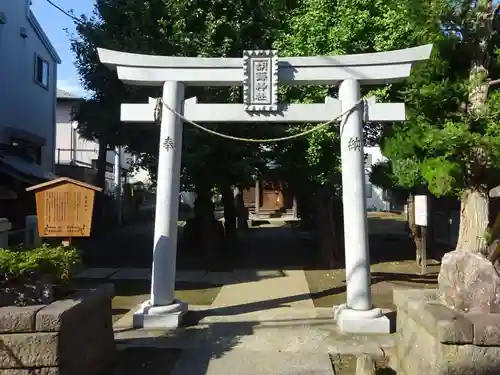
(43, 37)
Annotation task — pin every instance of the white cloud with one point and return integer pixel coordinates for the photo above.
(72, 87)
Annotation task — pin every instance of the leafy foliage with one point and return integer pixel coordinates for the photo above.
(319, 27)
(446, 145)
(56, 263)
(176, 28)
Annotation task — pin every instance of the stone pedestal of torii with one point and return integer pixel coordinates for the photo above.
(260, 72)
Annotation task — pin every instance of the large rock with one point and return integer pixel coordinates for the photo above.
(469, 283)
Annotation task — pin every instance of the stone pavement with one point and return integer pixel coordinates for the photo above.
(262, 322)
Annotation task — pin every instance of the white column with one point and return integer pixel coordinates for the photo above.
(357, 257)
(118, 184)
(167, 197)
(358, 315)
(162, 310)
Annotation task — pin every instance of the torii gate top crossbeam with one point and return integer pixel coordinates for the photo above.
(368, 68)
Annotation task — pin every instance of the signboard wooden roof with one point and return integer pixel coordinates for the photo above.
(64, 207)
(60, 180)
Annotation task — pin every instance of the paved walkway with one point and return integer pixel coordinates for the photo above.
(260, 323)
(263, 320)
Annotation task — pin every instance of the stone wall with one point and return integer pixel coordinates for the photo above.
(432, 339)
(67, 337)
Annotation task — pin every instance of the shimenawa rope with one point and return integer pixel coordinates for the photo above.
(161, 103)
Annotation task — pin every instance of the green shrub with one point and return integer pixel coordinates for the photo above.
(54, 262)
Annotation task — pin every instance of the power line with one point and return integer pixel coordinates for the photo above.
(64, 11)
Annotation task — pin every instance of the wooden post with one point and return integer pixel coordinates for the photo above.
(423, 250)
(421, 218)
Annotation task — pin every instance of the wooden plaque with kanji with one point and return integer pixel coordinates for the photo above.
(64, 207)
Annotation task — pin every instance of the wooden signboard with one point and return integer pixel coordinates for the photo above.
(64, 207)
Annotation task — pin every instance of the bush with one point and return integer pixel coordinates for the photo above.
(56, 263)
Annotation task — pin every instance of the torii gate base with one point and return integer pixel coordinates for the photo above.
(259, 72)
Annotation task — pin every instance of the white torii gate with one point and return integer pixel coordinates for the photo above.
(260, 72)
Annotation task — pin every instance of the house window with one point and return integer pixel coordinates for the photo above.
(41, 71)
(368, 190)
(26, 150)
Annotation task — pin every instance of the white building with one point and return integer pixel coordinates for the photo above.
(375, 196)
(28, 76)
(77, 156)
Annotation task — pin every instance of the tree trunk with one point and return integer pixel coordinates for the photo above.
(100, 181)
(229, 214)
(209, 235)
(414, 231)
(474, 204)
(337, 212)
(474, 222)
(480, 65)
(241, 210)
(326, 231)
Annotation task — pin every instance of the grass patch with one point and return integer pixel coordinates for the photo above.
(143, 361)
(386, 216)
(130, 293)
(197, 293)
(328, 287)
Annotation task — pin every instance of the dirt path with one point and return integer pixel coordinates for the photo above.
(272, 246)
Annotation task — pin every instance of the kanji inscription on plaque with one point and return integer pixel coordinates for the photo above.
(64, 208)
(260, 85)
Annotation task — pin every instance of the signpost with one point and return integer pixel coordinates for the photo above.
(421, 215)
(64, 208)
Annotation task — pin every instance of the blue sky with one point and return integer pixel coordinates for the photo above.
(54, 24)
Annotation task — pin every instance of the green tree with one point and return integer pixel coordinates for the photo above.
(450, 144)
(179, 28)
(320, 27)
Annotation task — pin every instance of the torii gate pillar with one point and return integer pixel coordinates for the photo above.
(162, 310)
(357, 314)
(259, 72)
